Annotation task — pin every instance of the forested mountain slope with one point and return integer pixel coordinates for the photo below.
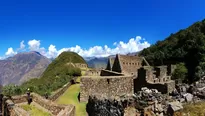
(187, 45)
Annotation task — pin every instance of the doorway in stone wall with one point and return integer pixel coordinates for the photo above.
(139, 80)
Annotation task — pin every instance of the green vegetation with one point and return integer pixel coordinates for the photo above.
(180, 73)
(197, 109)
(71, 97)
(34, 111)
(186, 46)
(58, 73)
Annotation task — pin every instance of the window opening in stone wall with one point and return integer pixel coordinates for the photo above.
(108, 81)
(123, 62)
(138, 63)
(130, 63)
(127, 63)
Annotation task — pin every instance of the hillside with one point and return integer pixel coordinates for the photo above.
(22, 67)
(57, 74)
(187, 45)
(59, 67)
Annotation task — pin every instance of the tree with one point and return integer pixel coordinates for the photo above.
(180, 72)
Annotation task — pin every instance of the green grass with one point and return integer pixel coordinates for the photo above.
(197, 109)
(34, 111)
(71, 97)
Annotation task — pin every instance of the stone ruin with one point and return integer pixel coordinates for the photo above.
(124, 76)
(78, 65)
(11, 106)
(125, 71)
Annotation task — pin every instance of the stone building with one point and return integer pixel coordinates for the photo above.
(127, 65)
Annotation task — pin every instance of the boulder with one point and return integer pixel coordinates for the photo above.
(188, 97)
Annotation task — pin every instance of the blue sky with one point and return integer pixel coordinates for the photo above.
(91, 24)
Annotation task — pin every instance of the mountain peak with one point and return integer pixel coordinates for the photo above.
(22, 67)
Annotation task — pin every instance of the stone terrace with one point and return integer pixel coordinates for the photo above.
(55, 109)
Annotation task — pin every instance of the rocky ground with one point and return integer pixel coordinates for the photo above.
(151, 102)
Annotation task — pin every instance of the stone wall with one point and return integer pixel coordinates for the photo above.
(19, 99)
(17, 111)
(10, 109)
(60, 91)
(81, 65)
(161, 71)
(110, 73)
(93, 72)
(127, 65)
(170, 86)
(55, 109)
(147, 79)
(105, 87)
(170, 69)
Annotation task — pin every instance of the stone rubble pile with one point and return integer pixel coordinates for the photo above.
(96, 107)
(159, 104)
(153, 101)
(149, 100)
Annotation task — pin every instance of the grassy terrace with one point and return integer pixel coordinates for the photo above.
(71, 97)
(197, 109)
(34, 111)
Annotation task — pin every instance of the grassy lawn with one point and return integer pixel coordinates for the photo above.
(195, 110)
(34, 111)
(71, 97)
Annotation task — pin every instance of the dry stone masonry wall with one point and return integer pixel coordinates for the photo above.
(58, 110)
(105, 87)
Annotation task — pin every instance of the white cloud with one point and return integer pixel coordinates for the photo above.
(22, 45)
(10, 52)
(34, 45)
(133, 45)
(52, 51)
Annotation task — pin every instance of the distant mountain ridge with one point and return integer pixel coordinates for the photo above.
(22, 67)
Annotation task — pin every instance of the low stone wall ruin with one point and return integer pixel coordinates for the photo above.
(93, 72)
(105, 87)
(58, 110)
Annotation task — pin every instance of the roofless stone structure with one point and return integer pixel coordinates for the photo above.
(126, 75)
